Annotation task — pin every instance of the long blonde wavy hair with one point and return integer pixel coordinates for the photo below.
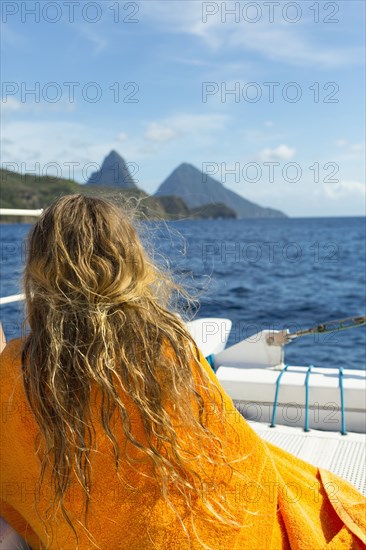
(100, 313)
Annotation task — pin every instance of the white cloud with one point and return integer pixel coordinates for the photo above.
(59, 148)
(277, 40)
(341, 142)
(93, 35)
(357, 147)
(350, 147)
(182, 16)
(294, 46)
(188, 61)
(282, 152)
(182, 125)
(198, 123)
(350, 151)
(9, 36)
(45, 142)
(10, 105)
(158, 132)
(340, 189)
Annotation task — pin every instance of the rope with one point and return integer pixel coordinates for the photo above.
(343, 430)
(306, 427)
(278, 381)
(210, 360)
(330, 326)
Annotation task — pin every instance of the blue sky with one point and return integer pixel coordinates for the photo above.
(152, 80)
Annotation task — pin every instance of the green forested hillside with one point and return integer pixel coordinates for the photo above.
(30, 191)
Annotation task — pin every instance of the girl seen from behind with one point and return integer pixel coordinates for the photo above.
(117, 434)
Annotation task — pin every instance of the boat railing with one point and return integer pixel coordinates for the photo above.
(17, 212)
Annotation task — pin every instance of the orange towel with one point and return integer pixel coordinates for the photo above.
(285, 502)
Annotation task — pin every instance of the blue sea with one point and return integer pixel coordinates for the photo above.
(272, 273)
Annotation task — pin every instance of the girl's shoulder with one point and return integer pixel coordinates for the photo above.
(10, 367)
(11, 355)
(13, 348)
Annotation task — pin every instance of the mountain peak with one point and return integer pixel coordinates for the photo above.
(187, 166)
(199, 189)
(113, 173)
(114, 154)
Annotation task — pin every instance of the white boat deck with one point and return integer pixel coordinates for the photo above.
(344, 455)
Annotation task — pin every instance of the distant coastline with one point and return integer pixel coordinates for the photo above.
(187, 193)
(33, 192)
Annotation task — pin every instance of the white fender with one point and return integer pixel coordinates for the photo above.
(210, 334)
(254, 352)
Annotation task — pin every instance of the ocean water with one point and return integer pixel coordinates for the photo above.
(280, 273)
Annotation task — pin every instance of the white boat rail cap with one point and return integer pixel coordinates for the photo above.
(20, 212)
(10, 299)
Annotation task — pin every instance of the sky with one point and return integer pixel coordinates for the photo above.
(267, 97)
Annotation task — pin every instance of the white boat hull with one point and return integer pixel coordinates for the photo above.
(251, 372)
(253, 392)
